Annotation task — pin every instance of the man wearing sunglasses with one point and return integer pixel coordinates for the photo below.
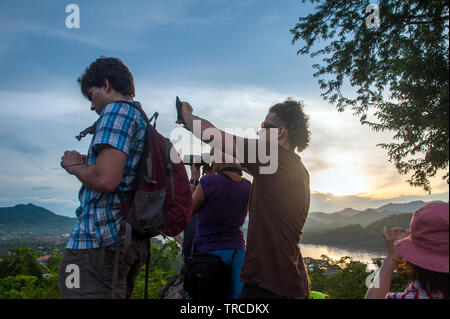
(279, 201)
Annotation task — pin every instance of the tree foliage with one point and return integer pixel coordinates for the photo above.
(165, 262)
(21, 276)
(348, 281)
(400, 71)
(20, 261)
(340, 279)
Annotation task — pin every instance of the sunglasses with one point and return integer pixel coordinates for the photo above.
(269, 125)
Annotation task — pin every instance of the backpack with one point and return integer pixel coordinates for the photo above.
(163, 200)
(162, 204)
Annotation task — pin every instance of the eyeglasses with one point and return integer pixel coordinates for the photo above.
(269, 125)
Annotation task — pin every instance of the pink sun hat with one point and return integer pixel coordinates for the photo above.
(427, 244)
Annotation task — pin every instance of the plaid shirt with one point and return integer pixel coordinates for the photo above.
(122, 127)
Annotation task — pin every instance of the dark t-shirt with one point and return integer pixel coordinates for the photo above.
(278, 208)
(221, 216)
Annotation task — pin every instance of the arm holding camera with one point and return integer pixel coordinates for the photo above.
(195, 176)
(186, 113)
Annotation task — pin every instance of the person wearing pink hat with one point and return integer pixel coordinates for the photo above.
(424, 248)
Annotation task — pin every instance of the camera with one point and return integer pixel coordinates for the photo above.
(200, 160)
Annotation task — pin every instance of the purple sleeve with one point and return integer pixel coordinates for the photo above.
(207, 182)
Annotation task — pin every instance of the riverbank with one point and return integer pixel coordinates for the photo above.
(316, 251)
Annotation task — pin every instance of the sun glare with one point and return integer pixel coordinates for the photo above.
(340, 181)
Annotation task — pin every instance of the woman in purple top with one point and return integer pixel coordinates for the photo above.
(221, 201)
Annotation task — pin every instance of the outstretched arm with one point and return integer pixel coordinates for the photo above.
(207, 132)
(382, 282)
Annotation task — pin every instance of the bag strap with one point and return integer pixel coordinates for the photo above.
(139, 108)
(193, 237)
(169, 166)
(148, 178)
(147, 267)
(117, 259)
(148, 162)
(231, 169)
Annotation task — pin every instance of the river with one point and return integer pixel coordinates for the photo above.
(315, 251)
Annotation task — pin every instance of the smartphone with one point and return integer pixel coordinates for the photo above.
(178, 106)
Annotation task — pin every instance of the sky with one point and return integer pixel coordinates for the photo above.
(230, 59)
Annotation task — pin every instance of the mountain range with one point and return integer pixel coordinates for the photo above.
(318, 221)
(356, 229)
(348, 228)
(31, 218)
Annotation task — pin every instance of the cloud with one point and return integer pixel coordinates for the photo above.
(151, 14)
(102, 23)
(42, 188)
(18, 143)
(341, 150)
(330, 203)
(271, 18)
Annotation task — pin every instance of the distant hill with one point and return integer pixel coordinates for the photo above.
(400, 220)
(318, 221)
(348, 212)
(35, 219)
(406, 207)
(356, 236)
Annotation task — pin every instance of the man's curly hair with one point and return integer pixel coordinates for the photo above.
(290, 113)
(112, 69)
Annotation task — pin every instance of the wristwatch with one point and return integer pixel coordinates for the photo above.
(193, 181)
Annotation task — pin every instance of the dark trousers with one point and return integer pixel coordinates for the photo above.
(251, 291)
(93, 268)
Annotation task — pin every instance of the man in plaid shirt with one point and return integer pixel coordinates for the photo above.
(86, 269)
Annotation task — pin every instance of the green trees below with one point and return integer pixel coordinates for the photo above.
(22, 277)
(165, 262)
(347, 279)
(20, 261)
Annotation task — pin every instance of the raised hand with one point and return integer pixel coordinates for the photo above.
(395, 234)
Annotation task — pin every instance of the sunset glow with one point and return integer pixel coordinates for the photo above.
(340, 181)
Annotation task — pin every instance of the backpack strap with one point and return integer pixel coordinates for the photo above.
(147, 177)
(147, 268)
(117, 260)
(169, 167)
(139, 108)
(148, 162)
(231, 169)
